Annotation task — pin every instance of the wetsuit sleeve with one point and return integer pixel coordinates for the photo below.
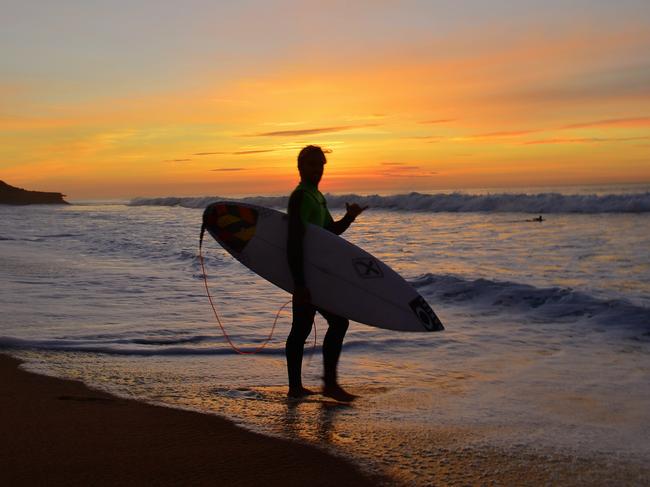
(295, 239)
(340, 226)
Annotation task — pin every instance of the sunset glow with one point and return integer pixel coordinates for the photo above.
(202, 99)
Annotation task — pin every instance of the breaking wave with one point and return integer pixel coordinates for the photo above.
(448, 202)
(479, 297)
(549, 305)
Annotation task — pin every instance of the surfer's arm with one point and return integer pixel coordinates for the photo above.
(340, 226)
(295, 240)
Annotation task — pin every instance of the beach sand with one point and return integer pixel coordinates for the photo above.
(58, 432)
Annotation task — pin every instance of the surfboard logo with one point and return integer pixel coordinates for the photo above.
(426, 315)
(367, 268)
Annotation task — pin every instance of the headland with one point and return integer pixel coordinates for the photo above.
(10, 195)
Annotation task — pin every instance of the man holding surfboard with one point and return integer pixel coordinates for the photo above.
(307, 205)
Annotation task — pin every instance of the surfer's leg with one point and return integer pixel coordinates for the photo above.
(303, 318)
(332, 344)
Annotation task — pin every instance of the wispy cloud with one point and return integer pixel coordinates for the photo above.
(612, 122)
(430, 138)
(633, 122)
(319, 130)
(612, 83)
(229, 169)
(252, 151)
(584, 140)
(177, 160)
(235, 153)
(441, 120)
(400, 166)
(402, 170)
(373, 116)
(505, 134)
(413, 174)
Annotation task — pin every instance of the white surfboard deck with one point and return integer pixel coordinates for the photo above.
(341, 277)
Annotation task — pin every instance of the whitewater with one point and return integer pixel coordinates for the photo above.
(546, 347)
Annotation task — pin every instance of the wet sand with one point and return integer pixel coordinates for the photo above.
(58, 432)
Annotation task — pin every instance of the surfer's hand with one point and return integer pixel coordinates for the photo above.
(353, 210)
(301, 295)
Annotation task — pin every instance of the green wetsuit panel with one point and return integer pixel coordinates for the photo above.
(313, 207)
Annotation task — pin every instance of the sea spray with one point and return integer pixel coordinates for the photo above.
(457, 202)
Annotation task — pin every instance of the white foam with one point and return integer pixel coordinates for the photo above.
(551, 305)
(449, 202)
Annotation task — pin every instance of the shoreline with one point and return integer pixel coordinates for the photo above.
(62, 432)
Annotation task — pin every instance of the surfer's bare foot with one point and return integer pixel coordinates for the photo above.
(299, 392)
(337, 393)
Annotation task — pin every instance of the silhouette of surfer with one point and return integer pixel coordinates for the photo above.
(538, 219)
(307, 205)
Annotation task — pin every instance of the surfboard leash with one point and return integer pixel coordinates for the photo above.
(223, 330)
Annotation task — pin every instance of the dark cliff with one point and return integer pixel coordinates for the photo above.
(10, 195)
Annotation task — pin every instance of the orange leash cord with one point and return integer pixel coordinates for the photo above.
(223, 330)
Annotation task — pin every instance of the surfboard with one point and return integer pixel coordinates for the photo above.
(342, 278)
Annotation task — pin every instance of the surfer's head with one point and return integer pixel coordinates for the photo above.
(311, 162)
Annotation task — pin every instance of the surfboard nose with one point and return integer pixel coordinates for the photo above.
(426, 315)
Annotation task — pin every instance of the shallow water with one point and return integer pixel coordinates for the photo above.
(547, 345)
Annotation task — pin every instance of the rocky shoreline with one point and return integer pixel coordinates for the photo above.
(10, 195)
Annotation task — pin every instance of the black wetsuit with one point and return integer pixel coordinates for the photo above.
(307, 205)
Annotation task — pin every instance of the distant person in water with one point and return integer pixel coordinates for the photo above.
(308, 205)
(538, 219)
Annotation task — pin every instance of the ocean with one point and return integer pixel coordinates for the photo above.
(546, 350)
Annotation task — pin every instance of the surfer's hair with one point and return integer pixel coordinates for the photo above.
(310, 153)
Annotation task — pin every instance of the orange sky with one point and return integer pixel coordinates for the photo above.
(537, 100)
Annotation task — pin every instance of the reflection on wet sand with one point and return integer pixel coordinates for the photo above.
(312, 419)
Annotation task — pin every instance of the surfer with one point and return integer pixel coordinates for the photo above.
(307, 205)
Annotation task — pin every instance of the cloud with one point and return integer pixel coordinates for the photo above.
(584, 140)
(320, 130)
(360, 118)
(430, 138)
(633, 122)
(396, 167)
(403, 167)
(612, 122)
(499, 135)
(403, 170)
(229, 169)
(406, 174)
(613, 83)
(252, 151)
(461, 138)
(441, 120)
(236, 153)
